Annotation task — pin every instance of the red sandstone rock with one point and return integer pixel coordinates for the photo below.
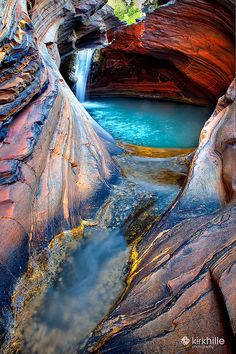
(183, 51)
(182, 280)
(55, 168)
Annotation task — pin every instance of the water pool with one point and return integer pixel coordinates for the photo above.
(150, 122)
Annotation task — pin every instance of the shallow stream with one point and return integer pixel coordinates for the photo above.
(93, 277)
(89, 283)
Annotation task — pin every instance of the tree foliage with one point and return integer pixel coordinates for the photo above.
(125, 11)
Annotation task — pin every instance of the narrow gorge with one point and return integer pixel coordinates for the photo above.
(117, 176)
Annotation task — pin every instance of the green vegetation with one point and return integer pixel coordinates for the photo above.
(128, 13)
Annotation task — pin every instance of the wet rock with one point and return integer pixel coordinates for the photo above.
(55, 164)
(56, 168)
(181, 282)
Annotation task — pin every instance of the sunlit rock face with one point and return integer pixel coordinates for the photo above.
(182, 51)
(181, 282)
(55, 167)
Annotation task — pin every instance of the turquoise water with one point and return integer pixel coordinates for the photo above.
(150, 122)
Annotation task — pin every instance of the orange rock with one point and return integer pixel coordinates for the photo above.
(181, 284)
(183, 51)
(50, 178)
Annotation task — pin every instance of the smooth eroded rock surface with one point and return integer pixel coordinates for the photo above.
(55, 165)
(182, 51)
(182, 277)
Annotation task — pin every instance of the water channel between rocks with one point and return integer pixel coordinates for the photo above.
(90, 281)
(93, 277)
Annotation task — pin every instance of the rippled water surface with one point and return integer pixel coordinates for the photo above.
(150, 122)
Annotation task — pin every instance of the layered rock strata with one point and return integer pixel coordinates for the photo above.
(55, 164)
(182, 51)
(182, 279)
(56, 167)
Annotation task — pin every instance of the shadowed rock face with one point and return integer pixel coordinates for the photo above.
(182, 278)
(182, 51)
(55, 165)
(86, 26)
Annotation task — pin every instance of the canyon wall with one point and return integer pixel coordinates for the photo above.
(55, 162)
(183, 51)
(181, 284)
(56, 165)
(181, 281)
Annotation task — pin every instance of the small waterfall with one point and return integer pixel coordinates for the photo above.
(83, 64)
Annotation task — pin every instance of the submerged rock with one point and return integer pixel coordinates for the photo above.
(55, 165)
(181, 283)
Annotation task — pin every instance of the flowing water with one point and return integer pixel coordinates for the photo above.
(150, 122)
(92, 279)
(89, 283)
(83, 64)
